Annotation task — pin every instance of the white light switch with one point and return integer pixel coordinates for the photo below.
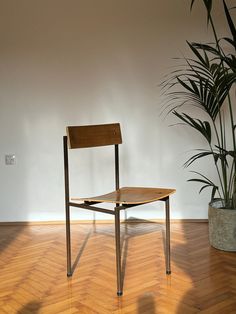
(10, 160)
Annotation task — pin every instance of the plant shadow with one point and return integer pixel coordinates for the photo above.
(202, 267)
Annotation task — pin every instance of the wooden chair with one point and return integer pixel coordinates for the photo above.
(125, 197)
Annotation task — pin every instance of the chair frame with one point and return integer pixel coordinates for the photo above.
(116, 213)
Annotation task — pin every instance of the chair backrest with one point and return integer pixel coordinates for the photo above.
(94, 135)
(91, 136)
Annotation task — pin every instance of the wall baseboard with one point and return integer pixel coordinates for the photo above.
(133, 220)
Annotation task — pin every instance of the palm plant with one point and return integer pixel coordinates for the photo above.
(207, 81)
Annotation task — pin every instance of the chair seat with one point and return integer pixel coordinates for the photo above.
(130, 195)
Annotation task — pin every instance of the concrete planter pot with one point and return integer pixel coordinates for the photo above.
(222, 226)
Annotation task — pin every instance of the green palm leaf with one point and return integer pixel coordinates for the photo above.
(201, 126)
(207, 183)
(203, 82)
(197, 156)
(208, 5)
(231, 24)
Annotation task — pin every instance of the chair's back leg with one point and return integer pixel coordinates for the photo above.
(67, 207)
(167, 205)
(117, 171)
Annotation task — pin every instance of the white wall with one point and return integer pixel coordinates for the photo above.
(72, 62)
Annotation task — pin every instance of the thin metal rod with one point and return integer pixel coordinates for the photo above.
(118, 255)
(117, 224)
(125, 206)
(168, 268)
(93, 208)
(117, 175)
(67, 207)
(126, 227)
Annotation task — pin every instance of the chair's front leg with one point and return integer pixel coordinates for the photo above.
(118, 253)
(67, 206)
(68, 241)
(168, 268)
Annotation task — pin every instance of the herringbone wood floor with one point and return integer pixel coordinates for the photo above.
(33, 271)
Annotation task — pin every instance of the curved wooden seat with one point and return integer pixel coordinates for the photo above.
(130, 195)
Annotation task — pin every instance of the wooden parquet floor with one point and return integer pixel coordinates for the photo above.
(33, 271)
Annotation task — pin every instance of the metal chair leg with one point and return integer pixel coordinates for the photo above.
(168, 268)
(68, 241)
(118, 255)
(67, 206)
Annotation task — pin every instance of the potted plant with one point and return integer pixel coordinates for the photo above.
(207, 81)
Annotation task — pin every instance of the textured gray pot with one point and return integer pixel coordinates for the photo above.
(222, 226)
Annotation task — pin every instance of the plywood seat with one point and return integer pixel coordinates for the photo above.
(130, 195)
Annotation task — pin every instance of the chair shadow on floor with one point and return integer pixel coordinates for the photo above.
(76, 262)
(8, 235)
(30, 308)
(128, 230)
(146, 302)
(130, 224)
